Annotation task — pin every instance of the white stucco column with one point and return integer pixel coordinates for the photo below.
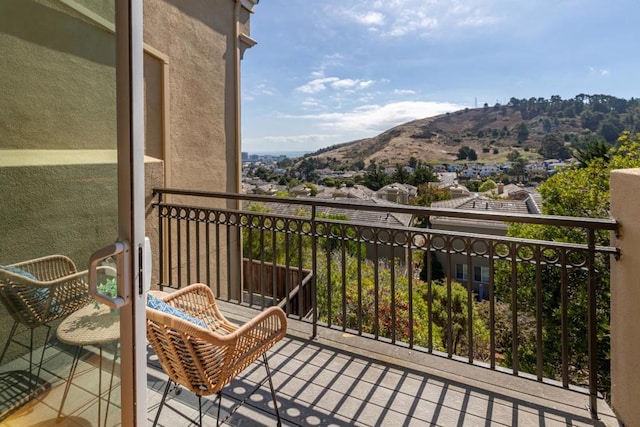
(625, 298)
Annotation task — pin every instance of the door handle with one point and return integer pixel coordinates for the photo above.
(119, 251)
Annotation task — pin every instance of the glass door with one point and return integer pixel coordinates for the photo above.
(71, 216)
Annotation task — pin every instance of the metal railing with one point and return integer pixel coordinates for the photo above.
(365, 269)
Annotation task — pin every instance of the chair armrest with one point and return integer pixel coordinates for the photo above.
(255, 337)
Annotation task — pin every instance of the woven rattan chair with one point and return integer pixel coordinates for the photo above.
(39, 291)
(205, 359)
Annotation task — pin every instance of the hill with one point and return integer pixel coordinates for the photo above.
(525, 125)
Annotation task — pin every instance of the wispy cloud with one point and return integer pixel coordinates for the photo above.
(397, 18)
(404, 92)
(603, 72)
(302, 140)
(377, 118)
(321, 84)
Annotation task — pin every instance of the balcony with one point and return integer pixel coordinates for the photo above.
(378, 343)
(384, 328)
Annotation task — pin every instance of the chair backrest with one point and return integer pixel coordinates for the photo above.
(57, 291)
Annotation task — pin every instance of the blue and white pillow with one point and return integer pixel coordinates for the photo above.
(158, 304)
(15, 270)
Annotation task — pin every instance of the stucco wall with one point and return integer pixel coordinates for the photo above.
(625, 298)
(196, 37)
(57, 68)
(62, 203)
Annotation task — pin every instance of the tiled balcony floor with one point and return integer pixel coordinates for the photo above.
(335, 380)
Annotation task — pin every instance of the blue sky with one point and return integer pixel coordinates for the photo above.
(332, 71)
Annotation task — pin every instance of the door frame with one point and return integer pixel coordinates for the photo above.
(131, 209)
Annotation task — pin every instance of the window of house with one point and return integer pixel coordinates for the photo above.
(481, 274)
(461, 271)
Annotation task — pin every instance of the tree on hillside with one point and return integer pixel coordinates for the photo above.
(552, 147)
(422, 174)
(522, 131)
(467, 152)
(580, 192)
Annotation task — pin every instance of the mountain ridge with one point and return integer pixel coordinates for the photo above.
(493, 132)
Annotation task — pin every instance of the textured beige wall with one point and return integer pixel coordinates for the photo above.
(52, 77)
(55, 204)
(196, 37)
(625, 298)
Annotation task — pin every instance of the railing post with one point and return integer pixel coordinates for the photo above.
(161, 242)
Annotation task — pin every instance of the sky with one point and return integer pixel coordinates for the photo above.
(326, 72)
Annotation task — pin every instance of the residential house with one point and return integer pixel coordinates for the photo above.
(475, 203)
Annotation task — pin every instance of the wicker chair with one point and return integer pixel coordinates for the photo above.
(204, 360)
(57, 291)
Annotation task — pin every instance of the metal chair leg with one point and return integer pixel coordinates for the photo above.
(6, 345)
(273, 392)
(44, 349)
(164, 396)
(200, 410)
(219, 405)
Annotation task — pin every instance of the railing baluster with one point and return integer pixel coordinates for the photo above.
(187, 267)
(344, 276)
(274, 262)
(262, 274)
(251, 283)
(392, 266)
(314, 263)
(492, 308)
(287, 277)
(514, 309)
(179, 248)
(592, 324)
(409, 262)
(218, 265)
(470, 277)
(429, 295)
(329, 284)
(449, 303)
(564, 301)
(170, 248)
(197, 232)
(539, 312)
(359, 241)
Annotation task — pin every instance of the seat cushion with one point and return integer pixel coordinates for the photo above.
(15, 270)
(160, 305)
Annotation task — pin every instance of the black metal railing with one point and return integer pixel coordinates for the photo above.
(533, 307)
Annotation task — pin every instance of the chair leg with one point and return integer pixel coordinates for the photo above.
(164, 396)
(6, 345)
(219, 405)
(273, 392)
(44, 348)
(200, 410)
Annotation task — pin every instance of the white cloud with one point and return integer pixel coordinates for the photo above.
(397, 18)
(320, 84)
(404, 92)
(603, 72)
(316, 85)
(370, 18)
(377, 118)
(302, 140)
